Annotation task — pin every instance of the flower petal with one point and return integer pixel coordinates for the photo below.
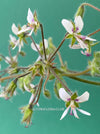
(14, 29)
(91, 39)
(24, 30)
(29, 16)
(38, 59)
(64, 113)
(32, 85)
(33, 46)
(84, 97)
(81, 43)
(31, 98)
(67, 25)
(63, 94)
(8, 60)
(83, 112)
(75, 46)
(78, 23)
(75, 113)
(46, 43)
(31, 32)
(26, 88)
(86, 53)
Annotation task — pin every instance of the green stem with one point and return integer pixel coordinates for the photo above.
(85, 81)
(73, 74)
(44, 50)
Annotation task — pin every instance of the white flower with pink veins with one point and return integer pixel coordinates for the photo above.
(74, 29)
(73, 103)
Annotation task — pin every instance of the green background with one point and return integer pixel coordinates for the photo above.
(50, 13)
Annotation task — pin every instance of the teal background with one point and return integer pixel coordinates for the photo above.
(50, 13)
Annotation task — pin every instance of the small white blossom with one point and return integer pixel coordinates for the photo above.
(73, 103)
(15, 30)
(74, 29)
(11, 60)
(31, 23)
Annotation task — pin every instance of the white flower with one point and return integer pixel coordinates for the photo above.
(73, 103)
(11, 60)
(13, 41)
(29, 90)
(31, 23)
(15, 30)
(74, 29)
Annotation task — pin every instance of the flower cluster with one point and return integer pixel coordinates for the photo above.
(15, 76)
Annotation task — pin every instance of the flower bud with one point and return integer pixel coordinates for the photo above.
(95, 64)
(13, 71)
(27, 111)
(80, 11)
(47, 93)
(11, 88)
(22, 53)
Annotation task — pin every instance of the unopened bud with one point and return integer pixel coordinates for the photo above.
(11, 88)
(80, 11)
(47, 94)
(27, 111)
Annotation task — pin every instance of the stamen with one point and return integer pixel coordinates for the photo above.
(71, 112)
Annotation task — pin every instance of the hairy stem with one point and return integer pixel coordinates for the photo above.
(38, 91)
(58, 48)
(53, 72)
(94, 32)
(60, 58)
(46, 79)
(14, 76)
(35, 46)
(44, 50)
(4, 58)
(87, 4)
(85, 81)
